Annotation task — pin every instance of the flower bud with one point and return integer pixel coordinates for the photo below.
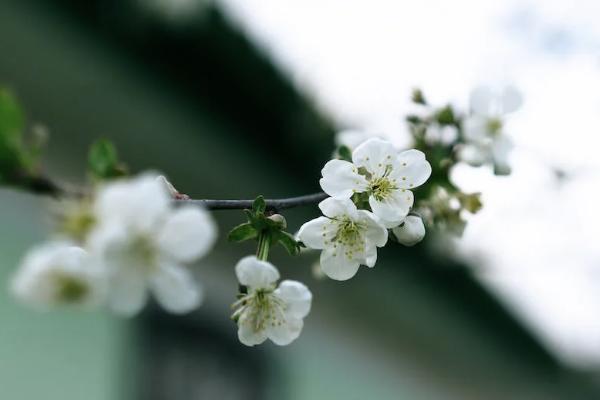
(470, 202)
(174, 193)
(279, 220)
(411, 232)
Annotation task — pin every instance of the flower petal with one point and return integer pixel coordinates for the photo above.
(285, 333)
(412, 170)
(444, 134)
(501, 149)
(393, 209)
(374, 155)
(296, 296)
(175, 289)
(255, 273)
(495, 102)
(510, 99)
(139, 202)
(376, 233)
(248, 335)
(341, 179)
(370, 254)
(314, 233)
(482, 101)
(475, 128)
(128, 293)
(411, 232)
(473, 155)
(337, 266)
(187, 234)
(332, 207)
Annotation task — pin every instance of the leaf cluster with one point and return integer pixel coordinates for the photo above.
(261, 223)
(103, 161)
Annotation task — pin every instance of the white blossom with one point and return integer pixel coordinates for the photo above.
(441, 134)
(382, 173)
(483, 129)
(411, 232)
(268, 311)
(348, 237)
(59, 274)
(351, 138)
(144, 242)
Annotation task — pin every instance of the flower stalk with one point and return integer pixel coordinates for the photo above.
(264, 245)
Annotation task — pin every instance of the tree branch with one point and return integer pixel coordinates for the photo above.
(45, 186)
(272, 204)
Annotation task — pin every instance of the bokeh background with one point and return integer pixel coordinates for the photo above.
(234, 98)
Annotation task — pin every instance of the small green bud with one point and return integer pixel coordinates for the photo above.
(103, 162)
(471, 202)
(418, 97)
(344, 153)
(413, 119)
(76, 219)
(445, 116)
(279, 220)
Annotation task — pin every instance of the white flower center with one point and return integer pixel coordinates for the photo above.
(69, 289)
(140, 253)
(494, 125)
(349, 237)
(260, 308)
(381, 187)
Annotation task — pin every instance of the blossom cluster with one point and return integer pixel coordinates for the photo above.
(448, 136)
(125, 242)
(370, 193)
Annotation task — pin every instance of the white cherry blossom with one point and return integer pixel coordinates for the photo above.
(268, 311)
(144, 242)
(382, 173)
(348, 237)
(59, 274)
(441, 134)
(411, 231)
(483, 129)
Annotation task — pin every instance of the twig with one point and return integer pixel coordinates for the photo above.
(43, 185)
(272, 204)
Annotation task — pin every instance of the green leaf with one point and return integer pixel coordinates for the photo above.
(445, 116)
(413, 119)
(11, 128)
(242, 233)
(288, 241)
(11, 117)
(259, 206)
(344, 153)
(103, 161)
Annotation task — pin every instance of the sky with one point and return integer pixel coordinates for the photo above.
(537, 234)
